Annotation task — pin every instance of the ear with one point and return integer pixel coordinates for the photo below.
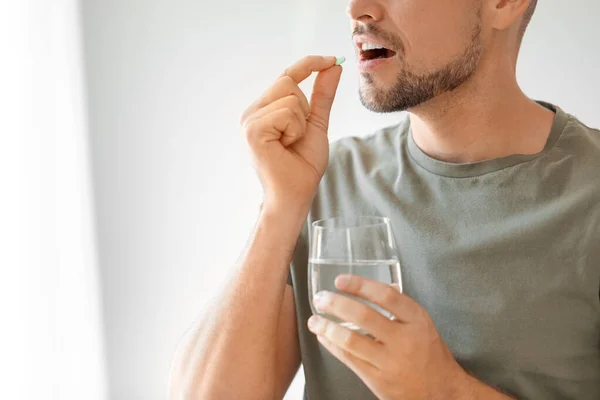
(505, 13)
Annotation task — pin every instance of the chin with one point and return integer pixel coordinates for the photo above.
(377, 100)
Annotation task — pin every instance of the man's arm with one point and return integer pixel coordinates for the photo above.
(473, 389)
(247, 345)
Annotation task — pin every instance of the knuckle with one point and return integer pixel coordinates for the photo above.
(250, 130)
(319, 122)
(299, 93)
(290, 102)
(294, 100)
(290, 87)
(286, 80)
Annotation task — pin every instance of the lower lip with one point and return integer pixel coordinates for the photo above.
(371, 65)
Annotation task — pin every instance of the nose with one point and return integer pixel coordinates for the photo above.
(365, 10)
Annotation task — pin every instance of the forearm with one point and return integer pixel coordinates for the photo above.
(236, 342)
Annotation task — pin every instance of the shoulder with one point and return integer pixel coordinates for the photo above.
(573, 131)
(580, 144)
(576, 128)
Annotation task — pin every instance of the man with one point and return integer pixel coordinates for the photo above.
(494, 203)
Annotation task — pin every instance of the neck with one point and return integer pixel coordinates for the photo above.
(484, 118)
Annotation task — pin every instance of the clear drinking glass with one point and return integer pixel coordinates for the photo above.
(359, 246)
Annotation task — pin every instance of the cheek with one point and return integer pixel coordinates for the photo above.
(433, 31)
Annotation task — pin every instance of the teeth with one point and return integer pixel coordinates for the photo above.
(370, 46)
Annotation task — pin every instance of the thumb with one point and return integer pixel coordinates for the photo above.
(323, 94)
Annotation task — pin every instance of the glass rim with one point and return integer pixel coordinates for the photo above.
(376, 221)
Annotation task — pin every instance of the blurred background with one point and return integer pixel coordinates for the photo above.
(128, 193)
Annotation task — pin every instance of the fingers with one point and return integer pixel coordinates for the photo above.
(361, 368)
(353, 311)
(287, 84)
(293, 125)
(385, 296)
(283, 87)
(359, 346)
(303, 68)
(292, 102)
(283, 125)
(322, 97)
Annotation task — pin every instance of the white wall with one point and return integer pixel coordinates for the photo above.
(176, 195)
(50, 326)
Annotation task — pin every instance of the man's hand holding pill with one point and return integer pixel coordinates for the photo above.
(287, 133)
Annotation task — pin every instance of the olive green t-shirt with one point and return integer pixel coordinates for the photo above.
(504, 254)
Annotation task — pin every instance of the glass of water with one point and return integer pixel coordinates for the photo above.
(358, 246)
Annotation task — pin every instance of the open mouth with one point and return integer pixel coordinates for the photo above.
(370, 51)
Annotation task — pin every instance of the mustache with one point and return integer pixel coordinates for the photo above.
(389, 38)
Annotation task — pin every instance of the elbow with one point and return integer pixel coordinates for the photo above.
(195, 385)
(219, 391)
(185, 377)
(183, 387)
(179, 387)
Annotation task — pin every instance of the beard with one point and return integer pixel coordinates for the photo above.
(411, 90)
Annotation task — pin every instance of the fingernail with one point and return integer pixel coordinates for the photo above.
(320, 298)
(313, 322)
(342, 281)
(340, 60)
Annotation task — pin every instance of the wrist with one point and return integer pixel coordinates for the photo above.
(458, 387)
(286, 211)
(283, 225)
(471, 388)
(465, 387)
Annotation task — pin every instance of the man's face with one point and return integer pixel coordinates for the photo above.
(430, 47)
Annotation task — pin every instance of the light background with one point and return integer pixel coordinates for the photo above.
(51, 332)
(175, 193)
